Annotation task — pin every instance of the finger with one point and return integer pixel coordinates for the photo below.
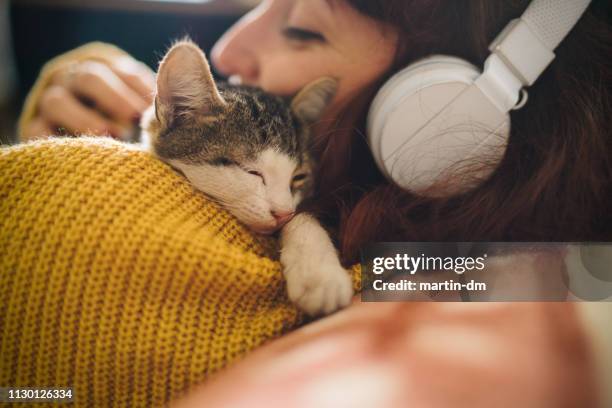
(137, 76)
(99, 84)
(37, 129)
(63, 109)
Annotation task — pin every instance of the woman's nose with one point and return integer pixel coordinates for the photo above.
(236, 53)
(229, 59)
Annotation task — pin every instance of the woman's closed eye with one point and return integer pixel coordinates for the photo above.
(299, 177)
(303, 35)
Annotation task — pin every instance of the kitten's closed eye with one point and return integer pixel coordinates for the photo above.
(226, 162)
(258, 174)
(299, 177)
(223, 161)
(299, 181)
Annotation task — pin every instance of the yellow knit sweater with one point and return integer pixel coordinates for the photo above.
(121, 281)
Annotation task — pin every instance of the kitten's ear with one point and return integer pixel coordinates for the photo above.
(311, 101)
(185, 86)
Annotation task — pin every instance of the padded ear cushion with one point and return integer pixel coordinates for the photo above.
(430, 118)
(431, 72)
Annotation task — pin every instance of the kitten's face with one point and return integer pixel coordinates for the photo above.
(244, 148)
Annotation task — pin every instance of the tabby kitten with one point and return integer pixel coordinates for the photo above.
(248, 151)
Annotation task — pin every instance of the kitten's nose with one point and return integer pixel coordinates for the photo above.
(282, 217)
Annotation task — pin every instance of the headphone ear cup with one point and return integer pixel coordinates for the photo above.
(421, 127)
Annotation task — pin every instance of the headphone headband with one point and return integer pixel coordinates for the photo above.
(552, 20)
(526, 44)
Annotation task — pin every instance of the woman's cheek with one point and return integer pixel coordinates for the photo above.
(287, 74)
(288, 70)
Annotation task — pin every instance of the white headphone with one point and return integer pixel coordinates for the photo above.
(438, 119)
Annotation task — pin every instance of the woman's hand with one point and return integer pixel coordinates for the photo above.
(95, 98)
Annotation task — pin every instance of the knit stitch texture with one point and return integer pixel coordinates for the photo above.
(121, 281)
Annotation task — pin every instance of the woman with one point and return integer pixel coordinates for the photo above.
(553, 185)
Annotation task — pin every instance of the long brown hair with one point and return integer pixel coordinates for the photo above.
(555, 180)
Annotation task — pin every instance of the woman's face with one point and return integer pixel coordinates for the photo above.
(282, 45)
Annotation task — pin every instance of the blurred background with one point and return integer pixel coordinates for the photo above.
(34, 31)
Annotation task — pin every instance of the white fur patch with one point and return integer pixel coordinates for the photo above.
(277, 169)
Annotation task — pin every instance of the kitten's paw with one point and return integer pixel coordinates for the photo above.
(318, 289)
